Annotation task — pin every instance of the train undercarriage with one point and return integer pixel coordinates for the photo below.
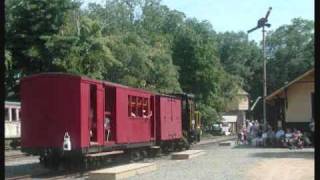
(56, 158)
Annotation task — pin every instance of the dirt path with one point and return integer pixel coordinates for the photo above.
(283, 168)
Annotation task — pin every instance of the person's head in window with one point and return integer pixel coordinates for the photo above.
(146, 114)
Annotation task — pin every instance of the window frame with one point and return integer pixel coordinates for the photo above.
(136, 105)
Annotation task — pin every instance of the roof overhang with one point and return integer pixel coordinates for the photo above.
(278, 92)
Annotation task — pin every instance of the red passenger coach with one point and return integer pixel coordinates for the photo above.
(68, 116)
(93, 113)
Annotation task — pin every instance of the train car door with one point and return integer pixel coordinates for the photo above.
(93, 115)
(96, 114)
(152, 118)
(109, 117)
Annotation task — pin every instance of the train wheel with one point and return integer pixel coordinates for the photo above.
(185, 143)
(42, 160)
(85, 164)
(144, 153)
(135, 156)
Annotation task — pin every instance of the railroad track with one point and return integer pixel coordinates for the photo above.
(63, 174)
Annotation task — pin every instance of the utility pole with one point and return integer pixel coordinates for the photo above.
(262, 23)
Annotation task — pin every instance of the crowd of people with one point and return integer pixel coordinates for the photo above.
(254, 134)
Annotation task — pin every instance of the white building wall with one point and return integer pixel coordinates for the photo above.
(299, 102)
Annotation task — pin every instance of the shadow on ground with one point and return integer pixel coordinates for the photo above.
(246, 146)
(21, 170)
(278, 152)
(292, 154)
(35, 170)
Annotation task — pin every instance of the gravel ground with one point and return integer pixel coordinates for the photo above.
(219, 162)
(223, 162)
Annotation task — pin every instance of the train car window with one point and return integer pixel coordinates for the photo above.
(145, 106)
(134, 106)
(6, 117)
(139, 107)
(13, 114)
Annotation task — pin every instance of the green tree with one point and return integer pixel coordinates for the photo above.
(195, 52)
(28, 24)
(290, 52)
(82, 51)
(239, 57)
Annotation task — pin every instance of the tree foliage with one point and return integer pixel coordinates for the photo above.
(290, 51)
(144, 44)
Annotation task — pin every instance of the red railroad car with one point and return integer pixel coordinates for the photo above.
(169, 124)
(65, 114)
(94, 113)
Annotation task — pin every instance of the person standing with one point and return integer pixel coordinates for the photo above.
(279, 136)
(288, 138)
(311, 126)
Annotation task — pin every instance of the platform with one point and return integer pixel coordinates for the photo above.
(122, 172)
(187, 154)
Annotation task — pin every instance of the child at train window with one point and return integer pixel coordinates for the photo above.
(145, 115)
(132, 114)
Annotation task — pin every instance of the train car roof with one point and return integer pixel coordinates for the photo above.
(82, 77)
(168, 95)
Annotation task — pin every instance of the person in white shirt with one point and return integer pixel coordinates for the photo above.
(107, 128)
(264, 138)
(288, 137)
(279, 136)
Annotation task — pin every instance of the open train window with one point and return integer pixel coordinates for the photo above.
(138, 106)
(132, 106)
(145, 106)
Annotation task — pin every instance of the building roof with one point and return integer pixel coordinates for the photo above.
(11, 103)
(280, 90)
(229, 118)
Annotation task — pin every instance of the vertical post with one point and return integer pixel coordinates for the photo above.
(10, 114)
(264, 79)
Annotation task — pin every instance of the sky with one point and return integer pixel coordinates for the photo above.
(241, 15)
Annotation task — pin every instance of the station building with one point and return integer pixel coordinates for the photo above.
(235, 116)
(292, 106)
(12, 119)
